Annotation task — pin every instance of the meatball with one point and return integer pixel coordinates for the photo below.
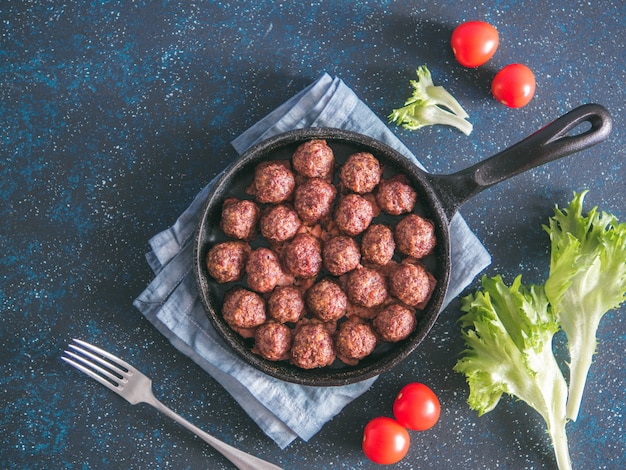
(415, 236)
(273, 182)
(243, 308)
(377, 244)
(361, 172)
(313, 200)
(395, 196)
(411, 284)
(285, 304)
(302, 256)
(312, 346)
(355, 340)
(279, 223)
(326, 300)
(226, 261)
(395, 323)
(366, 287)
(353, 215)
(272, 341)
(263, 270)
(341, 254)
(313, 159)
(239, 218)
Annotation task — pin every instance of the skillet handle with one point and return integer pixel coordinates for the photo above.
(549, 143)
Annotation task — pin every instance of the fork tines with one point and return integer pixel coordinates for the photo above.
(98, 364)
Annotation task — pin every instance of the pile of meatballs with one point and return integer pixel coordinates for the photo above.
(328, 278)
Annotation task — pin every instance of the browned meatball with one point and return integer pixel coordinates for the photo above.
(312, 346)
(313, 159)
(273, 182)
(361, 172)
(279, 223)
(353, 214)
(341, 254)
(239, 218)
(286, 304)
(355, 340)
(395, 196)
(243, 308)
(313, 200)
(263, 270)
(415, 236)
(302, 256)
(272, 341)
(226, 261)
(395, 323)
(366, 287)
(411, 284)
(326, 300)
(377, 244)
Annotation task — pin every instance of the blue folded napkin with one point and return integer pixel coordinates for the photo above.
(171, 302)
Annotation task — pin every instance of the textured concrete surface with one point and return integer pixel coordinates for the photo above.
(115, 113)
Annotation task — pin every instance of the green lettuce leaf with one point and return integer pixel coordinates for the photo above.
(508, 332)
(587, 279)
(429, 105)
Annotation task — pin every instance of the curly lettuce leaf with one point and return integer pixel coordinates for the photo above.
(429, 105)
(508, 332)
(587, 279)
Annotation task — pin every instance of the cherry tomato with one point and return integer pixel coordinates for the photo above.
(474, 43)
(416, 407)
(385, 441)
(514, 85)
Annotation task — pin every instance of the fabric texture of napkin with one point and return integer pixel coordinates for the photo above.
(284, 411)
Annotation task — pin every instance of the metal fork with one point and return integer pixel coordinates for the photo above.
(135, 387)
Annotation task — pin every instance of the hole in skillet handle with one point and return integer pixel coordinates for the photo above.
(234, 180)
(577, 130)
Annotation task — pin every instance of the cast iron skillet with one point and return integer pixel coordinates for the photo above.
(440, 196)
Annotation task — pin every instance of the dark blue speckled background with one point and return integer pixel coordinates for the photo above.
(113, 114)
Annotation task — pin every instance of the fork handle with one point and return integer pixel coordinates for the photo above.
(241, 459)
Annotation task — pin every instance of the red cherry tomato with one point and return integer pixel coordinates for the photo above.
(416, 407)
(385, 441)
(514, 85)
(474, 43)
